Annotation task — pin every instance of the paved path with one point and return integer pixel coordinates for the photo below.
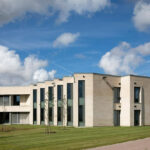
(142, 144)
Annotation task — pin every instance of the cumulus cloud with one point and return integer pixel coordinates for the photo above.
(15, 72)
(42, 75)
(11, 10)
(65, 39)
(123, 59)
(141, 16)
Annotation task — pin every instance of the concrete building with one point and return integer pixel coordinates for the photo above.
(85, 99)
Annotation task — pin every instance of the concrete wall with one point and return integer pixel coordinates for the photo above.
(103, 106)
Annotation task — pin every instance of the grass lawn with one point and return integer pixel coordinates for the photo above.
(28, 137)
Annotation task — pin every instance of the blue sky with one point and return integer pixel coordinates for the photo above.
(98, 31)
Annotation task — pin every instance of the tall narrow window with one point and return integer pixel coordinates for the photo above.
(34, 115)
(136, 94)
(51, 114)
(81, 88)
(1, 100)
(34, 95)
(81, 99)
(69, 113)
(42, 94)
(34, 106)
(70, 91)
(59, 114)
(136, 117)
(51, 93)
(42, 114)
(81, 113)
(60, 92)
(117, 94)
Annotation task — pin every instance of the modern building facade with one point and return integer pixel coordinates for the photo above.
(85, 99)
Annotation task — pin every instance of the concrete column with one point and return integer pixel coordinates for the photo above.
(55, 105)
(75, 103)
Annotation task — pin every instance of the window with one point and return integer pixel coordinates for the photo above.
(42, 114)
(117, 94)
(34, 95)
(51, 93)
(59, 92)
(136, 94)
(69, 113)
(81, 88)
(81, 113)
(1, 100)
(4, 101)
(136, 117)
(42, 94)
(34, 115)
(16, 100)
(50, 113)
(70, 91)
(59, 114)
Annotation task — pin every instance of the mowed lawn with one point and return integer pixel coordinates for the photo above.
(28, 137)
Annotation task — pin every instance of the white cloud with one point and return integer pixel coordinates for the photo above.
(15, 72)
(65, 39)
(42, 75)
(123, 59)
(11, 10)
(141, 16)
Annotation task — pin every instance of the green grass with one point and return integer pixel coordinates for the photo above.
(28, 137)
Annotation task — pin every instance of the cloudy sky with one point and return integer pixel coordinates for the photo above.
(43, 39)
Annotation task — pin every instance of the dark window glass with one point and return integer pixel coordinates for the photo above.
(42, 94)
(16, 100)
(34, 95)
(81, 88)
(69, 113)
(42, 114)
(4, 117)
(34, 114)
(81, 113)
(1, 101)
(60, 92)
(117, 117)
(50, 93)
(136, 117)
(6, 100)
(136, 94)
(50, 113)
(69, 91)
(117, 94)
(59, 114)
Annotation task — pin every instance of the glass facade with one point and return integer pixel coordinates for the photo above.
(42, 115)
(117, 95)
(16, 100)
(4, 101)
(59, 92)
(136, 94)
(50, 93)
(70, 91)
(51, 104)
(34, 106)
(69, 104)
(34, 95)
(59, 114)
(81, 102)
(42, 94)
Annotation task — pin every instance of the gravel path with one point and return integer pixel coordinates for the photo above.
(142, 144)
